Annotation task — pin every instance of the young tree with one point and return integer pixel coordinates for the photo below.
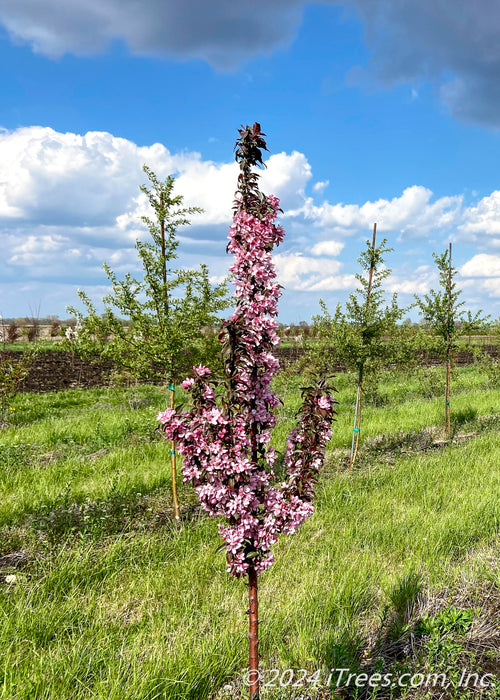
(224, 438)
(169, 315)
(364, 337)
(440, 310)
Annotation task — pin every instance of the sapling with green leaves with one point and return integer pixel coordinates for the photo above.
(161, 325)
(364, 336)
(441, 311)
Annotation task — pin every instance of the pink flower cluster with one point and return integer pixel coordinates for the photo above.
(226, 451)
(225, 438)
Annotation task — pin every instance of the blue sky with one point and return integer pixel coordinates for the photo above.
(375, 110)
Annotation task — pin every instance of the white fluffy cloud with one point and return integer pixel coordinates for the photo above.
(411, 215)
(482, 265)
(92, 180)
(492, 286)
(481, 223)
(319, 187)
(68, 202)
(328, 248)
(287, 175)
(418, 281)
(302, 273)
(69, 179)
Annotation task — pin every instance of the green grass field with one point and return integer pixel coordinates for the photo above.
(110, 600)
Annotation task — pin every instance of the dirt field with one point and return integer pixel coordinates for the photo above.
(55, 370)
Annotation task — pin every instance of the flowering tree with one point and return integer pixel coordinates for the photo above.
(225, 438)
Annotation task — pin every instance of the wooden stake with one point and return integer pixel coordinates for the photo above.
(370, 276)
(447, 416)
(173, 462)
(163, 251)
(357, 422)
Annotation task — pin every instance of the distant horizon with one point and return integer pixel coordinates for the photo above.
(50, 318)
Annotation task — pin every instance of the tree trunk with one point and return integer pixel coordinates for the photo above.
(253, 635)
(447, 417)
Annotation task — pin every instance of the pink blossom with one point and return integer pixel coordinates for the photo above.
(225, 444)
(201, 371)
(165, 416)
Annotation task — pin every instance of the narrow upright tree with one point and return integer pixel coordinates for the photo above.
(440, 310)
(157, 326)
(224, 438)
(362, 337)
